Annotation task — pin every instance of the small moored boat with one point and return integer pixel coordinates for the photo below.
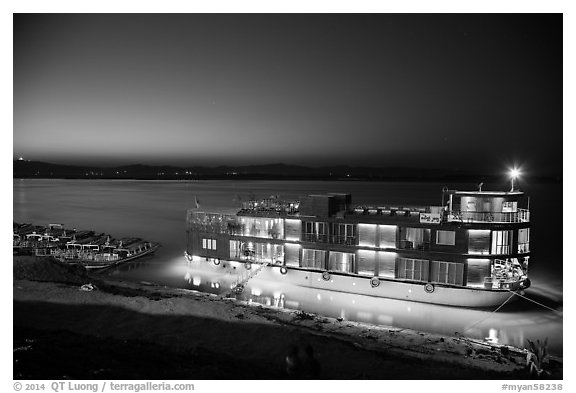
(85, 248)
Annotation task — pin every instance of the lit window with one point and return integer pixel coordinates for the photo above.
(387, 236)
(293, 229)
(524, 240)
(478, 273)
(235, 249)
(367, 235)
(386, 264)
(344, 234)
(478, 241)
(412, 269)
(366, 262)
(501, 241)
(447, 273)
(315, 231)
(313, 258)
(209, 244)
(292, 254)
(341, 261)
(415, 238)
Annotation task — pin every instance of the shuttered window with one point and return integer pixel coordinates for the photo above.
(412, 269)
(313, 258)
(447, 272)
(446, 238)
(341, 262)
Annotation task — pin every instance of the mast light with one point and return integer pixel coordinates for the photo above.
(514, 174)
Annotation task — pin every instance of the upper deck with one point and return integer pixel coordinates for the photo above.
(486, 206)
(457, 206)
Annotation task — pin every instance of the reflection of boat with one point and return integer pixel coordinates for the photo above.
(509, 326)
(472, 250)
(86, 248)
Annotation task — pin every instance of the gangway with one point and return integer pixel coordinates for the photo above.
(238, 287)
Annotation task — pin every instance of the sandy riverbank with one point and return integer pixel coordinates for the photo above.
(125, 331)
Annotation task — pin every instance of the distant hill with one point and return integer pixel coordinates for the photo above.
(42, 170)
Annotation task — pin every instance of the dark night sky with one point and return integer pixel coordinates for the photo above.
(467, 91)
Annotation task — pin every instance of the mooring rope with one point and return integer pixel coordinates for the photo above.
(534, 301)
(489, 316)
(506, 301)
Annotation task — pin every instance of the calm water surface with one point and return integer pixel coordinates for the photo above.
(155, 210)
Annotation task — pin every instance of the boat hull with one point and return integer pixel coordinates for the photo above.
(385, 288)
(90, 265)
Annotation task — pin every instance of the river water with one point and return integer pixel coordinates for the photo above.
(156, 211)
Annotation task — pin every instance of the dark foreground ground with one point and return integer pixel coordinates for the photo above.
(123, 332)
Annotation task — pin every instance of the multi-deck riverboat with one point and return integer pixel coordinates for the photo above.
(472, 250)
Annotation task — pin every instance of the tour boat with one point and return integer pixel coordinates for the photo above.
(85, 248)
(471, 251)
(100, 252)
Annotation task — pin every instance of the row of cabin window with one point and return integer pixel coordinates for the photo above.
(479, 240)
(373, 263)
(257, 252)
(418, 237)
(478, 243)
(387, 233)
(321, 228)
(387, 265)
(209, 244)
(409, 237)
(484, 241)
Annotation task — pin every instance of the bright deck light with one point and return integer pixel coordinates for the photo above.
(514, 173)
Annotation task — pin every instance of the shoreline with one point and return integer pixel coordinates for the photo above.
(188, 322)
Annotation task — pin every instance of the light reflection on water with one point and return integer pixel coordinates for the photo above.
(511, 325)
(156, 210)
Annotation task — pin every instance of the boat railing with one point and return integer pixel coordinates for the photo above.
(346, 240)
(106, 257)
(506, 274)
(411, 245)
(523, 248)
(32, 243)
(253, 257)
(521, 215)
(41, 252)
(84, 255)
(315, 237)
(500, 283)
